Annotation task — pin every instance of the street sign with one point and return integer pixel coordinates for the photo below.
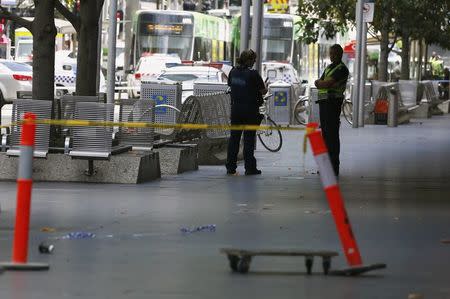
(368, 10)
(276, 6)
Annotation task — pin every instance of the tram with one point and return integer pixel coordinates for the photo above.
(188, 35)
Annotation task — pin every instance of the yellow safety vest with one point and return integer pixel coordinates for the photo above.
(339, 87)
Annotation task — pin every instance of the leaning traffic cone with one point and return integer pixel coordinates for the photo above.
(24, 188)
(336, 203)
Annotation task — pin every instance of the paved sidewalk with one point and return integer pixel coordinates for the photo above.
(396, 187)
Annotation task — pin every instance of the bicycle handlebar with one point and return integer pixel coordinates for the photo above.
(267, 95)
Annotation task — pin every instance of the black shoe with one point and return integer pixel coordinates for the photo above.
(231, 172)
(252, 172)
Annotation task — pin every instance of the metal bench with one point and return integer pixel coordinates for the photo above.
(411, 92)
(133, 110)
(432, 97)
(208, 88)
(94, 142)
(208, 109)
(42, 110)
(65, 110)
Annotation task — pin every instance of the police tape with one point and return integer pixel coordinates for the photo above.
(190, 126)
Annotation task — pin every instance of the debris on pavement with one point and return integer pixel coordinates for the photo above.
(201, 228)
(46, 248)
(47, 229)
(415, 296)
(79, 235)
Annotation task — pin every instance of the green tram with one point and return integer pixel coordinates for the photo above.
(189, 35)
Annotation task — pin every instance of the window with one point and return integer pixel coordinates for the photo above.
(17, 67)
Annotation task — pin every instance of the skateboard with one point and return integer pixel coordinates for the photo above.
(240, 259)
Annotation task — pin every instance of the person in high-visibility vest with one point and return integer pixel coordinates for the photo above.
(331, 87)
(437, 66)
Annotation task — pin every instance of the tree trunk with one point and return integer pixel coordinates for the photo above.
(88, 49)
(44, 33)
(405, 55)
(384, 53)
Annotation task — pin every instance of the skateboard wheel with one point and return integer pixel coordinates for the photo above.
(234, 260)
(326, 263)
(244, 264)
(309, 263)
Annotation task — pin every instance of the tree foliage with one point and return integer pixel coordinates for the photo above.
(394, 19)
(327, 17)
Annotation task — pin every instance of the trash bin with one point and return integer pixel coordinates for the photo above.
(381, 107)
(163, 93)
(280, 102)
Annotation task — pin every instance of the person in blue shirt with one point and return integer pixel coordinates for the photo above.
(247, 88)
(331, 87)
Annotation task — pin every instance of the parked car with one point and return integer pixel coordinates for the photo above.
(187, 75)
(14, 77)
(148, 67)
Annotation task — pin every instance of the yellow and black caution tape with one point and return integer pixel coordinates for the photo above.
(90, 123)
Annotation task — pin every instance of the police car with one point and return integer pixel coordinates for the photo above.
(66, 73)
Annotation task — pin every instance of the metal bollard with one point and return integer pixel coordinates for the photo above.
(24, 188)
(392, 117)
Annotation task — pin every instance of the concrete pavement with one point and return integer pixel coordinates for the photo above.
(395, 182)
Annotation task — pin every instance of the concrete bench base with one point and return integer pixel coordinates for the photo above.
(444, 106)
(420, 111)
(126, 168)
(214, 151)
(178, 158)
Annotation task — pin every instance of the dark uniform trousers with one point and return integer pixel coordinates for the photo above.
(330, 111)
(249, 142)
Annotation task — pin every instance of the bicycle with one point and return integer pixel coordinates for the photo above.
(302, 110)
(270, 138)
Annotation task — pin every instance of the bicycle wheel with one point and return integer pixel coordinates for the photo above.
(271, 139)
(347, 109)
(301, 111)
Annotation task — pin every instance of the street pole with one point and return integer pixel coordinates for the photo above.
(111, 70)
(362, 76)
(357, 64)
(245, 22)
(257, 26)
(131, 6)
(100, 51)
